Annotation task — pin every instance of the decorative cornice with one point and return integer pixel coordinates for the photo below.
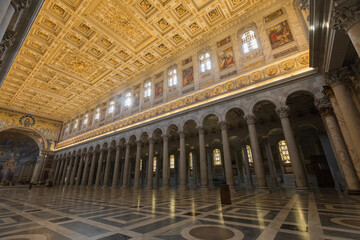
(345, 15)
(20, 4)
(283, 112)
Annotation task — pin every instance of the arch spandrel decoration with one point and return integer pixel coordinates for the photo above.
(49, 130)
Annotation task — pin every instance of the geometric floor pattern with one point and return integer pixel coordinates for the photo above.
(76, 213)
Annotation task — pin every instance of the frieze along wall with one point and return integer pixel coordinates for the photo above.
(49, 130)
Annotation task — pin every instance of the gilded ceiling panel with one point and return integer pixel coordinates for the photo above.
(77, 51)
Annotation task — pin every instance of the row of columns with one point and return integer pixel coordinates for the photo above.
(63, 175)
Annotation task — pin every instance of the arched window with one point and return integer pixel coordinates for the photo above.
(249, 41)
(217, 156)
(205, 62)
(147, 91)
(284, 152)
(190, 160)
(111, 106)
(154, 164)
(97, 114)
(172, 161)
(249, 153)
(86, 118)
(76, 123)
(172, 76)
(128, 101)
(140, 164)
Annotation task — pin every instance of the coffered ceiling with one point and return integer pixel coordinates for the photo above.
(79, 50)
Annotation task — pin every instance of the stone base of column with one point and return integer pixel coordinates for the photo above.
(262, 190)
(353, 192)
(104, 187)
(183, 188)
(302, 189)
(204, 188)
(165, 187)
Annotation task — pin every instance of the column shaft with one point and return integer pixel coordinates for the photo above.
(182, 167)
(227, 155)
(56, 173)
(151, 163)
(203, 165)
(137, 165)
(85, 171)
(255, 148)
(92, 170)
(165, 177)
(74, 168)
(116, 167)
(78, 175)
(107, 168)
(126, 166)
(99, 169)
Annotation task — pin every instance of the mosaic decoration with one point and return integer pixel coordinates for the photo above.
(271, 71)
(27, 121)
(226, 59)
(188, 76)
(280, 34)
(288, 65)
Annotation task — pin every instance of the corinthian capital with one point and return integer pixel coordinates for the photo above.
(338, 76)
(250, 118)
(346, 14)
(201, 129)
(321, 103)
(20, 4)
(223, 125)
(283, 112)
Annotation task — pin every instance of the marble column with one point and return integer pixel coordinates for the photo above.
(4, 24)
(209, 167)
(39, 170)
(4, 4)
(58, 180)
(255, 148)
(346, 16)
(92, 169)
(150, 164)
(165, 173)
(77, 159)
(69, 170)
(342, 154)
(56, 173)
(65, 176)
(99, 169)
(84, 176)
(247, 168)
(227, 155)
(126, 166)
(336, 80)
(270, 162)
(182, 167)
(203, 166)
(345, 131)
(107, 167)
(137, 164)
(296, 162)
(81, 164)
(116, 167)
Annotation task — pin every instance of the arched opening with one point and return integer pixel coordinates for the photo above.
(19, 152)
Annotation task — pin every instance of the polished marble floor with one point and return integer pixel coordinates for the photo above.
(75, 213)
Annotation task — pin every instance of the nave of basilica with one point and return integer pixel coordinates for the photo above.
(199, 119)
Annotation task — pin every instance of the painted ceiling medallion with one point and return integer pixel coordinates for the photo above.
(177, 38)
(194, 27)
(162, 47)
(163, 23)
(145, 5)
(214, 14)
(180, 10)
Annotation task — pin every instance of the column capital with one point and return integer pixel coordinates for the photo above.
(118, 146)
(138, 143)
(150, 140)
(283, 112)
(20, 4)
(345, 15)
(328, 92)
(338, 76)
(128, 145)
(201, 129)
(324, 106)
(182, 134)
(250, 118)
(165, 137)
(223, 125)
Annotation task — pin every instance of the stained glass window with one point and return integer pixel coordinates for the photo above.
(217, 156)
(154, 164)
(205, 62)
(172, 161)
(249, 41)
(249, 153)
(97, 114)
(191, 160)
(172, 77)
(111, 106)
(284, 152)
(127, 99)
(147, 91)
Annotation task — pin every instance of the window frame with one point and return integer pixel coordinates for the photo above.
(250, 40)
